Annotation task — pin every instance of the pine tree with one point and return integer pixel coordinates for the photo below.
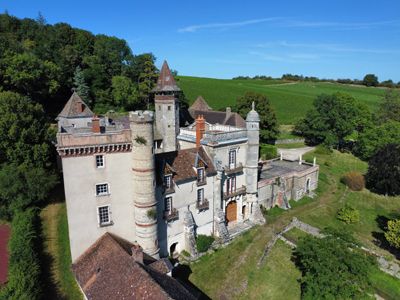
(147, 80)
(80, 85)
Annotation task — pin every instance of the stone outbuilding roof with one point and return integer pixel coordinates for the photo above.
(107, 270)
(76, 108)
(183, 164)
(166, 82)
(201, 107)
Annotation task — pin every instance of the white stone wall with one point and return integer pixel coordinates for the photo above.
(184, 198)
(167, 122)
(80, 179)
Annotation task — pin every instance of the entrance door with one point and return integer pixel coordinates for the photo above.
(231, 211)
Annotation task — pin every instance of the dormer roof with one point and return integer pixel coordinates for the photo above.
(76, 108)
(166, 82)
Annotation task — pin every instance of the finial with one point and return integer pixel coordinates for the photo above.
(253, 105)
(73, 90)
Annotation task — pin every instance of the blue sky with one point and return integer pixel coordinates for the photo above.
(330, 39)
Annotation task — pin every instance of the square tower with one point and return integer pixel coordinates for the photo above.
(167, 108)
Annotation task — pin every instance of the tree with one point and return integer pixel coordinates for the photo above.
(147, 80)
(268, 123)
(125, 93)
(376, 137)
(392, 234)
(383, 176)
(370, 80)
(80, 85)
(332, 119)
(332, 267)
(389, 108)
(24, 132)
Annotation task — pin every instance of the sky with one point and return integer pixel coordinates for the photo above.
(223, 39)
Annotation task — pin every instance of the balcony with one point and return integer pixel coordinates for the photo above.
(169, 190)
(204, 205)
(171, 216)
(239, 191)
(201, 182)
(236, 168)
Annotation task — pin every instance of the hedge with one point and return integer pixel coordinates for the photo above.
(24, 273)
(268, 151)
(203, 242)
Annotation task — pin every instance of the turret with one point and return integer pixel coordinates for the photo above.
(167, 108)
(253, 136)
(144, 200)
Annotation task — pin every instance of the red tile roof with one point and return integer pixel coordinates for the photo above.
(108, 271)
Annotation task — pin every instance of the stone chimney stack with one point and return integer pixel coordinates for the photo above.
(137, 253)
(96, 124)
(200, 129)
(228, 112)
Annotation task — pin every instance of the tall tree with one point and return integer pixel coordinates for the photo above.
(383, 174)
(389, 108)
(268, 123)
(125, 94)
(80, 85)
(370, 80)
(147, 80)
(332, 119)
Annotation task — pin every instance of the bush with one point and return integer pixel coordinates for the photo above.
(203, 242)
(348, 215)
(268, 151)
(354, 180)
(392, 234)
(24, 269)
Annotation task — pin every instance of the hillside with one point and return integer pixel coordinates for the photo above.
(290, 100)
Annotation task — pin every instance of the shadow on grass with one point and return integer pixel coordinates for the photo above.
(182, 273)
(379, 237)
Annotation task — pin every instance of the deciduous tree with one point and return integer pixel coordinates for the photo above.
(370, 80)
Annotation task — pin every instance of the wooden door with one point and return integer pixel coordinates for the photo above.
(231, 211)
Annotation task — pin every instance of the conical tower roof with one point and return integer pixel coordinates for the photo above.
(200, 104)
(75, 108)
(166, 82)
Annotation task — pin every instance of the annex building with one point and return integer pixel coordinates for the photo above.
(144, 180)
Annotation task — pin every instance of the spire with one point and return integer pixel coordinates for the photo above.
(166, 82)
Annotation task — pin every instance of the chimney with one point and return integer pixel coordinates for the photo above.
(137, 253)
(95, 124)
(200, 128)
(228, 112)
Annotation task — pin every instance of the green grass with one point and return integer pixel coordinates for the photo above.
(236, 265)
(291, 145)
(294, 235)
(290, 101)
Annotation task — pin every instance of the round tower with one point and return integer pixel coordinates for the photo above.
(141, 124)
(253, 144)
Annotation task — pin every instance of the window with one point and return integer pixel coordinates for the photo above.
(200, 175)
(169, 107)
(231, 185)
(104, 214)
(232, 158)
(168, 181)
(99, 161)
(102, 189)
(200, 195)
(159, 107)
(168, 204)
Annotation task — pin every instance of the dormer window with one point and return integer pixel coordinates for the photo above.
(200, 175)
(168, 181)
(232, 159)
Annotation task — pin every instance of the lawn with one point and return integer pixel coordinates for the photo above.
(232, 272)
(56, 242)
(290, 100)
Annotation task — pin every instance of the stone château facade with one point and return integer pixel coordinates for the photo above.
(145, 180)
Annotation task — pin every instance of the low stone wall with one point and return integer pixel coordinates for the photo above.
(289, 141)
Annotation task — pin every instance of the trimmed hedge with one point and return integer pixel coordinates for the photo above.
(268, 151)
(203, 242)
(24, 273)
(354, 180)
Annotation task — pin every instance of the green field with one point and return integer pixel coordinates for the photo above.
(232, 273)
(290, 100)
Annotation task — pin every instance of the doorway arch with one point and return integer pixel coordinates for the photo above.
(308, 185)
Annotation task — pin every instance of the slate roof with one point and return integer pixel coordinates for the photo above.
(166, 82)
(183, 163)
(107, 271)
(220, 117)
(71, 108)
(200, 104)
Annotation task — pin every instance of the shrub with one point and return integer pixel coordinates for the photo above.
(24, 281)
(140, 140)
(152, 214)
(185, 253)
(268, 151)
(348, 215)
(203, 242)
(321, 149)
(354, 180)
(392, 234)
